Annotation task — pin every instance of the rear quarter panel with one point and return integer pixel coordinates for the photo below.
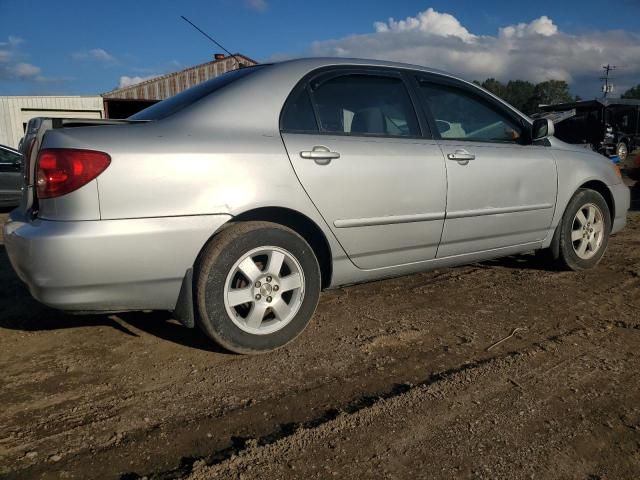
(198, 173)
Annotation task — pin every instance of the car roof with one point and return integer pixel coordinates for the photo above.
(319, 62)
(282, 77)
(308, 64)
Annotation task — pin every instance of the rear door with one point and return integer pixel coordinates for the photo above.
(361, 153)
(501, 189)
(10, 177)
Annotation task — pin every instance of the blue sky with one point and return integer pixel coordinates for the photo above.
(89, 47)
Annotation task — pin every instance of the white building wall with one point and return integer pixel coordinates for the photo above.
(16, 111)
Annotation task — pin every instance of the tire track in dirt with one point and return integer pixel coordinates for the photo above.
(331, 447)
(240, 445)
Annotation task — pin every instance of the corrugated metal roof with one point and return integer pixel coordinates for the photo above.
(168, 85)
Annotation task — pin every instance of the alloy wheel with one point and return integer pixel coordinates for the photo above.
(587, 231)
(264, 290)
(622, 151)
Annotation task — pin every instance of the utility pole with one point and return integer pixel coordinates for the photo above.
(606, 86)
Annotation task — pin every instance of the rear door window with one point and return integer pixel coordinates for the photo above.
(364, 104)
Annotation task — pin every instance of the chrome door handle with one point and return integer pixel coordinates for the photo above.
(320, 153)
(461, 156)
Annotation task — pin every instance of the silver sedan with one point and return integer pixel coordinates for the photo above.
(236, 202)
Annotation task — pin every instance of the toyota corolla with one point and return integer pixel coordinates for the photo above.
(236, 202)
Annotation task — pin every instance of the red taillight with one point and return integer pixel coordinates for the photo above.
(63, 170)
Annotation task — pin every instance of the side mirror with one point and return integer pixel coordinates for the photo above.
(542, 128)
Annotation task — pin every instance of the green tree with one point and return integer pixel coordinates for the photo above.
(518, 93)
(633, 92)
(552, 92)
(494, 86)
(526, 96)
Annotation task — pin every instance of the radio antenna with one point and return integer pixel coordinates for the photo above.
(240, 65)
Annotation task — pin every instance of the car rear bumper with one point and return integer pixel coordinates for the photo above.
(622, 202)
(107, 265)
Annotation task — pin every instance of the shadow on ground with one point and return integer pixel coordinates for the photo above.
(6, 209)
(19, 311)
(529, 261)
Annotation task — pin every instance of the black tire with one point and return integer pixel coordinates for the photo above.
(216, 262)
(622, 151)
(568, 257)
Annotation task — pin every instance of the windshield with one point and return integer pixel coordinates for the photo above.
(173, 104)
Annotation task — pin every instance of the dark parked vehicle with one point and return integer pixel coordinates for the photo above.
(609, 126)
(10, 176)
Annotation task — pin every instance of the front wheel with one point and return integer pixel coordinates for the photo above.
(622, 150)
(584, 230)
(257, 287)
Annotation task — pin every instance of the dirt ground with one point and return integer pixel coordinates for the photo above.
(393, 379)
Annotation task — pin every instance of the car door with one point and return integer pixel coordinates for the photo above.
(501, 188)
(10, 176)
(360, 152)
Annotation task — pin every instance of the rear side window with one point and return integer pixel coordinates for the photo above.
(363, 104)
(176, 103)
(298, 113)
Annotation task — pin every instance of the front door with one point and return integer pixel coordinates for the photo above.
(356, 145)
(501, 191)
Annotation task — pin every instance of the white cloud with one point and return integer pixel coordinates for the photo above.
(537, 50)
(126, 81)
(26, 70)
(15, 41)
(428, 22)
(540, 26)
(97, 54)
(256, 5)
(12, 41)
(11, 65)
(100, 54)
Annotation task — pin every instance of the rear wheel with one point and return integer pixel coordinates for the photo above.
(257, 286)
(584, 230)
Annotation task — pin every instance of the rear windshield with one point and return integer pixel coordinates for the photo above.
(173, 104)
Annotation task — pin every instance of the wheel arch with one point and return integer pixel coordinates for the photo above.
(593, 184)
(626, 139)
(603, 190)
(303, 226)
